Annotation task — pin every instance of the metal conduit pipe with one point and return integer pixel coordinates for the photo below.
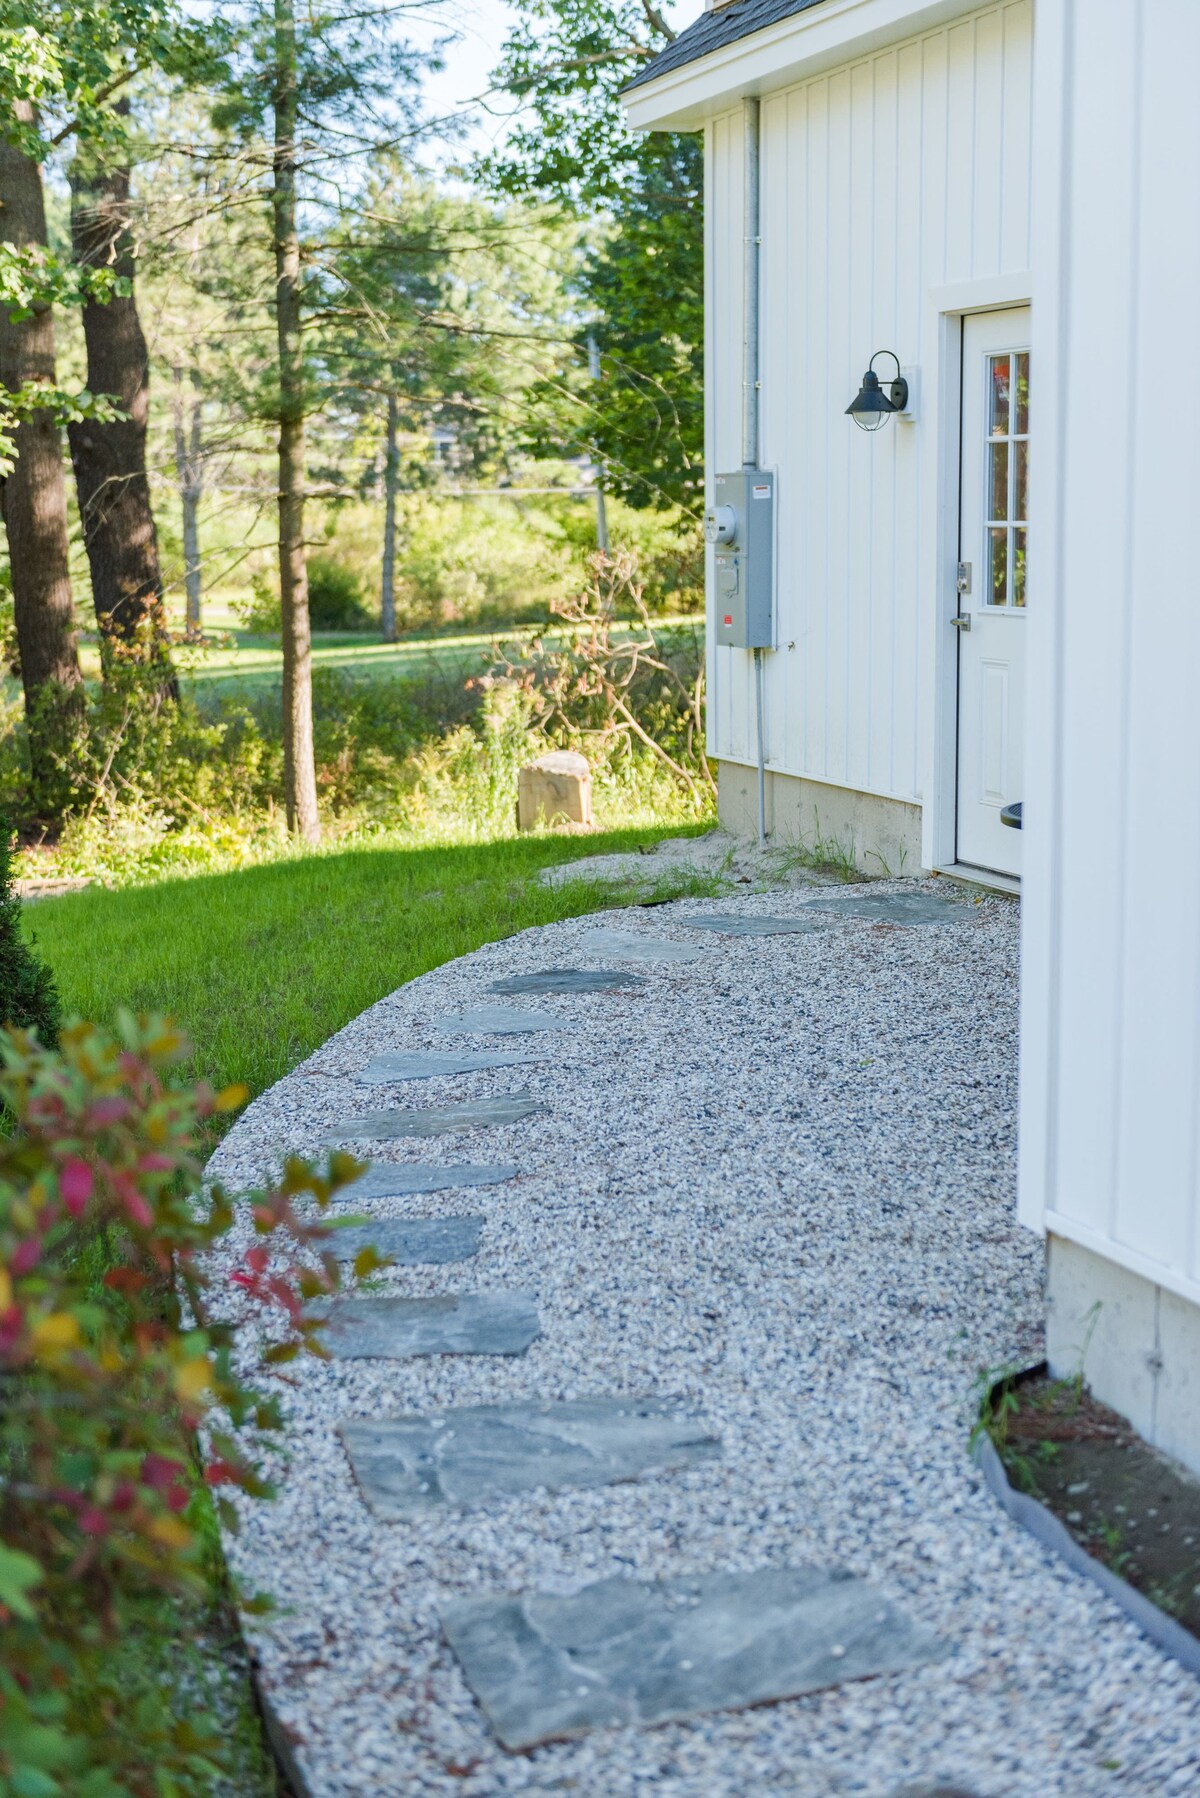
(751, 375)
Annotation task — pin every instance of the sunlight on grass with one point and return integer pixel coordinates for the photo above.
(261, 965)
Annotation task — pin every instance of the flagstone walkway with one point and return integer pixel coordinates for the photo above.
(644, 1470)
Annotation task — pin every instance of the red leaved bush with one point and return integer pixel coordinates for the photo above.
(119, 1377)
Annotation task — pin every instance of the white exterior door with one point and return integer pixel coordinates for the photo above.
(993, 508)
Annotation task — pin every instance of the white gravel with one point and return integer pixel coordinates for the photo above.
(779, 1181)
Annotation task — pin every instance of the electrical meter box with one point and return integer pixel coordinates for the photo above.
(741, 528)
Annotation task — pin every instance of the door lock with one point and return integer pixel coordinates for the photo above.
(964, 578)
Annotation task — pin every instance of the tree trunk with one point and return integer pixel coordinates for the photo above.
(189, 465)
(34, 506)
(110, 458)
(391, 481)
(299, 769)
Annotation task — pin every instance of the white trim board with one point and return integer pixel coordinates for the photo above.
(991, 294)
(968, 876)
(1156, 1273)
(780, 55)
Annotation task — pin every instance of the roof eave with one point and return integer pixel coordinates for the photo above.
(778, 56)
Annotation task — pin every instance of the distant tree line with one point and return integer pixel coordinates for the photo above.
(251, 187)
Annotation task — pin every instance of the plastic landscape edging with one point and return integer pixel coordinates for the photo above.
(1041, 1522)
(279, 1741)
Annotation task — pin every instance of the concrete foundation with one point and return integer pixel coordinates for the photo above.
(879, 836)
(1138, 1345)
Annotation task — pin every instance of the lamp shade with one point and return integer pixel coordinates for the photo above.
(871, 407)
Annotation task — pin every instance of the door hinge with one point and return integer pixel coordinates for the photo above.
(964, 577)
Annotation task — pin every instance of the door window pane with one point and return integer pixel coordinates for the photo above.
(1018, 573)
(1000, 377)
(1021, 409)
(1021, 496)
(997, 587)
(998, 482)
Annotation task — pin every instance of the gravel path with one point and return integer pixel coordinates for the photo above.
(777, 1181)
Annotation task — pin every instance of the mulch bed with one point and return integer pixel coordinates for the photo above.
(1125, 1503)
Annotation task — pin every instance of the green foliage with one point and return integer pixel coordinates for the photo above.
(28, 996)
(123, 1399)
(641, 287)
(335, 597)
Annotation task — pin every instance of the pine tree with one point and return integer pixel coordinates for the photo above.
(28, 996)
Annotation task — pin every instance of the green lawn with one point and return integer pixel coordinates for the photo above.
(260, 966)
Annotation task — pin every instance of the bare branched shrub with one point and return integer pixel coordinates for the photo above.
(608, 674)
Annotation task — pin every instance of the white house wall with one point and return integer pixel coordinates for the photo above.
(1111, 1077)
(883, 181)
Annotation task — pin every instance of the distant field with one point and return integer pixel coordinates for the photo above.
(250, 662)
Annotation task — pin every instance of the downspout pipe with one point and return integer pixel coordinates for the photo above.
(751, 214)
(751, 373)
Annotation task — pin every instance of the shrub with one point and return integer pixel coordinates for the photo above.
(335, 597)
(123, 1407)
(606, 681)
(335, 601)
(28, 996)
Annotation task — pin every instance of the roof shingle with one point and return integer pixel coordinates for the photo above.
(714, 30)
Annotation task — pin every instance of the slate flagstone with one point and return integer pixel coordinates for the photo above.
(729, 924)
(396, 1180)
(424, 1064)
(438, 1120)
(457, 1323)
(623, 1651)
(630, 945)
(499, 1020)
(409, 1465)
(568, 980)
(411, 1241)
(892, 908)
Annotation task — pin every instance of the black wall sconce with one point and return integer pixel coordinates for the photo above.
(871, 406)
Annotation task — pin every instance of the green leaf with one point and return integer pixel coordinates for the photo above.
(19, 1573)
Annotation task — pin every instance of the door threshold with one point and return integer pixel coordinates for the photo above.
(981, 877)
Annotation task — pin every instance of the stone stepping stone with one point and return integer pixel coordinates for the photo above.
(568, 980)
(438, 1120)
(409, 1465)
(624, 1652)
(425, 1064)
(411, 1242)
(731, 925)
(460, 1323)
(630, 945)
(893, 908)
(499, 1020)
(384, 1180)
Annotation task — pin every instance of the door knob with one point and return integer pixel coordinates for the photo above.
(962, 622)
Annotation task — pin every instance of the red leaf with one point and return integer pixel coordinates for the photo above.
(25, 1256)
(93, 1522)
(109, 1111)
(75, 1184)
(136, 1206)
(160, 1472)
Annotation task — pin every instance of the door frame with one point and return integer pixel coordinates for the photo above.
(951, 305)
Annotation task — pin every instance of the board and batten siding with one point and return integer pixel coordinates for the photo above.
(1110, 1132)
(882, 181)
